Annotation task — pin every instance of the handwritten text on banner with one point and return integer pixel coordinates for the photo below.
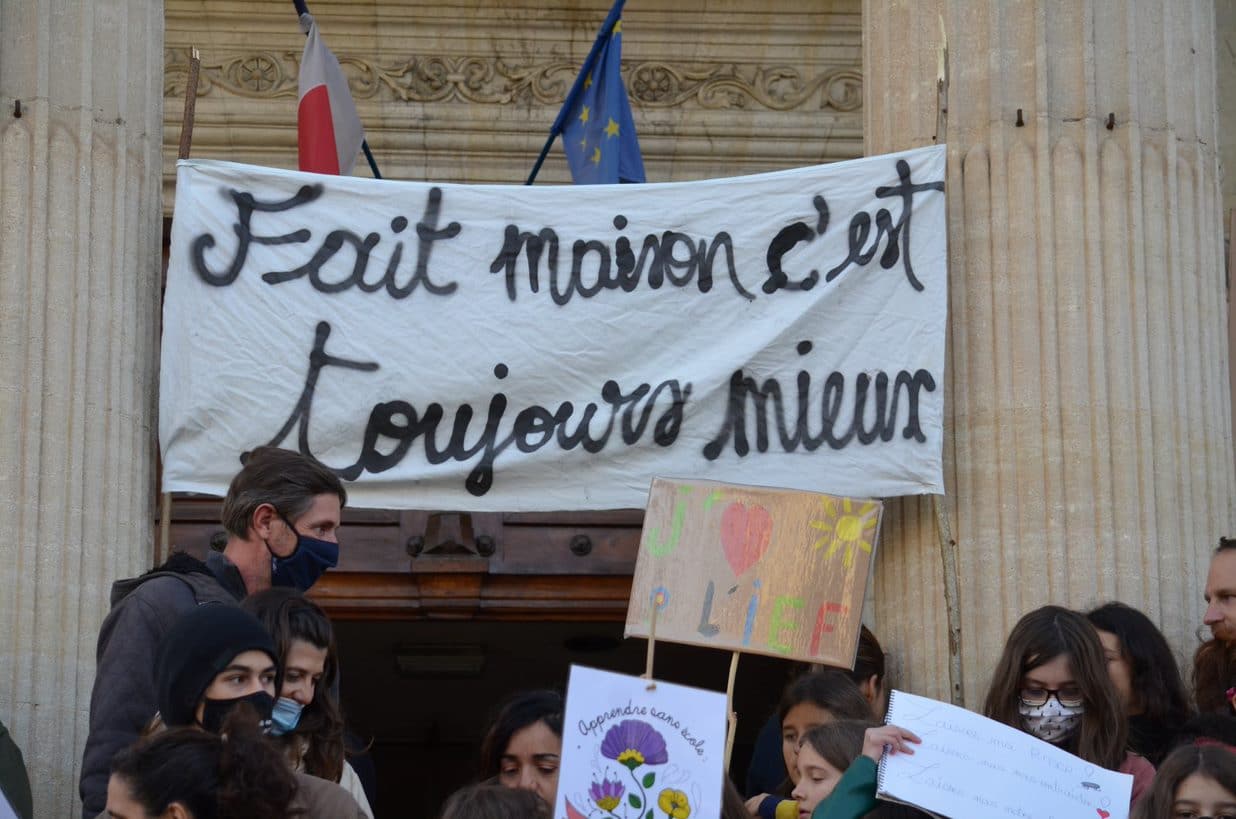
(524, 348)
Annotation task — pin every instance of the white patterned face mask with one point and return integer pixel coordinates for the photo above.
(1051, 722)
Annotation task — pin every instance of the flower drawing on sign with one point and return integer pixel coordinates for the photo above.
(846, 529)
(633, 744)
(607, 794)
(660, 598)
(674, 803)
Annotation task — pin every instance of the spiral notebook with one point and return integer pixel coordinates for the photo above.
(971, 766)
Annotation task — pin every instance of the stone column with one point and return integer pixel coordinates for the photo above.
(81, 92)
(1088, 437)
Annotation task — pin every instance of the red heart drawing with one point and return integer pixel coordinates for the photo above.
(745, 535)
(1102, 813)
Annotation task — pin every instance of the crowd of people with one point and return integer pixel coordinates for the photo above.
(217, 696)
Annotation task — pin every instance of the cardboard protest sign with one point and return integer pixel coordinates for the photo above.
(513, 348)
(745, 568)
(632, 752)
(968, 765)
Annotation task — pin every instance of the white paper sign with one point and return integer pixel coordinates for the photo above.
(971, 766)
(632, 753)
(541, 348)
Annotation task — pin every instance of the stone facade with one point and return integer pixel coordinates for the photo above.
(466, 92)
(1088, 433)
(79, 298)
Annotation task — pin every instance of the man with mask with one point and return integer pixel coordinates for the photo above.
(213, 659)
(1214, 664)
(281, 514)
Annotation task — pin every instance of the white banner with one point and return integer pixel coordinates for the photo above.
(491, 348)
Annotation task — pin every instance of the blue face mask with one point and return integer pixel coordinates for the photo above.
(285, 716)
(307, 562)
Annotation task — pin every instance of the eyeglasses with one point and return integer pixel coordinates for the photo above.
(1189, 814)
(1038, 697)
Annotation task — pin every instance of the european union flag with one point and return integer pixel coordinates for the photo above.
(595, 121)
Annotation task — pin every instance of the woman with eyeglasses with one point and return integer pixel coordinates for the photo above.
(1194, 782)
(1052, 682)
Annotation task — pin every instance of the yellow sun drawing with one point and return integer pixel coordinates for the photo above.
(846, 529)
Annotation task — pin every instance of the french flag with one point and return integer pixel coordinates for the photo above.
(329, 131)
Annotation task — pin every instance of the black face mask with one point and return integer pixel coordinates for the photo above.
(215, 712)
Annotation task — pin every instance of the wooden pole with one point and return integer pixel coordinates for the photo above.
(165, 528)
(731, 714)
(952, 599)
(186, 121)
(186, 147)
(652, 646)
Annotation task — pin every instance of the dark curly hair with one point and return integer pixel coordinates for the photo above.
(288, 615)
(236, 774)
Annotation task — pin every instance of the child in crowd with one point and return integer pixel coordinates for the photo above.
(490, 801)
(1052, 682)
(306, 718)
(853, 796)
(186, 773)
(812, 700)
(523, 747)
(767, 772)
(823, 756)
(1144, 671)
(216, 659)
(1193, 781)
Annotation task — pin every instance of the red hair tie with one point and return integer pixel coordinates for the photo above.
(1202, 742)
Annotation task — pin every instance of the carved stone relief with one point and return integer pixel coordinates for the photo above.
(494, 81)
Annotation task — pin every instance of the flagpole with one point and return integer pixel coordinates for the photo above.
(303, 8)
(555, 129)
(540, 160)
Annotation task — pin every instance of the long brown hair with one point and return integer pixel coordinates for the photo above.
(1041, 636)
(838, 743)
(288, 615)
(1211, 761)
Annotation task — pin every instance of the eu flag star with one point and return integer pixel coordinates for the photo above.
(595, 122)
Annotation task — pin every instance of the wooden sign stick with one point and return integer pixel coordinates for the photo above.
(652, 646)
(186, 121)
(186, 144)
(732, 715)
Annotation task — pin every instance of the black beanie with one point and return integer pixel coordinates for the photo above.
(200, 645)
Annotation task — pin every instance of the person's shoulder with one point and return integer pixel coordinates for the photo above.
(176, 585)
(321, 797)
(161, 591)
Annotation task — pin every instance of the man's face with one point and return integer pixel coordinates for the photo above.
(320, 520)
(1221, 596)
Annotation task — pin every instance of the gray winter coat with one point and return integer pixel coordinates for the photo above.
(143, 610)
